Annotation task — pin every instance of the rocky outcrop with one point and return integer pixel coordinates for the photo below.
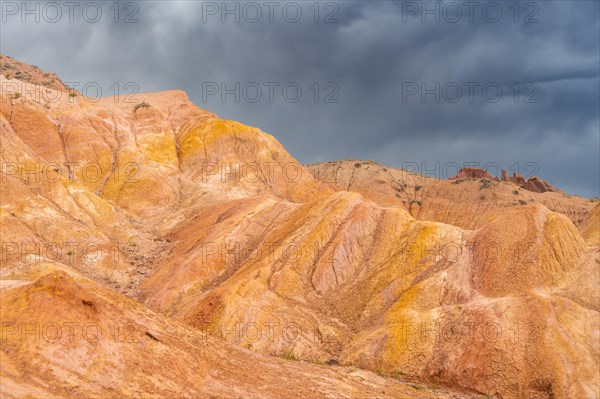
(538, 185)
(473, 173)
(22, 72)
(534, 184)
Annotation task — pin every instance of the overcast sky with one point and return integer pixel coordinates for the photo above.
(401, 83)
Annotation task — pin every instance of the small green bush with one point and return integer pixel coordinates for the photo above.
(485, 183)
(516, 192)
(522, 202)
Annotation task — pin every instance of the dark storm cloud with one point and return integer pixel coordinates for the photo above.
(373, 54)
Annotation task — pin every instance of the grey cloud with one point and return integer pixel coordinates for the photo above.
(368, 54)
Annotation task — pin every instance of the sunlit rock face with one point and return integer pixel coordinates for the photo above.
(152, 249)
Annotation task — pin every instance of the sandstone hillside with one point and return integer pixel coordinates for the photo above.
(182, 255)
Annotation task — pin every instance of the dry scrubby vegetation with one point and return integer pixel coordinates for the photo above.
(141, 105)
(485, 183)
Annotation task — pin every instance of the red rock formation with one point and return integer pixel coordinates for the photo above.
(538, 185)
(473, 173)
(534, 184)
(518, 179)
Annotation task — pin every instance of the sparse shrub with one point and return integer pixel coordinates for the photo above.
(333, 362)
(457, 181)
(8, 76)
(398, 374)
(17, 95)
(417, 187)
(516, 192)
(289, 355)
(399, 187)
(73, 94)
(141, 105)
(485, 183)
(522, 202)
(357, 165)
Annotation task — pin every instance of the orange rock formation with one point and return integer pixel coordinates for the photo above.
(155, 250)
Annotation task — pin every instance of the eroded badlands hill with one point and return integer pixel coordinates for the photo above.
(467, 199)
(65, 336)
(158, 220)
